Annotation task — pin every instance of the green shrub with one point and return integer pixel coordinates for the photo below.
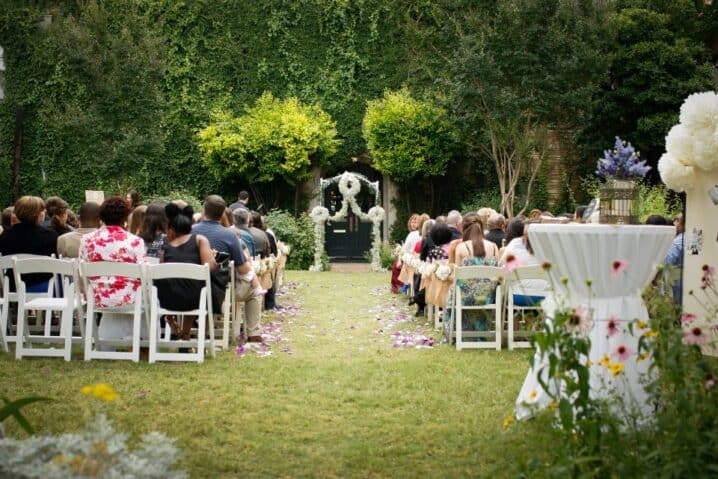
(386, 254)
(482, 199)
(296, 232)
(656, 200)
(193, 201)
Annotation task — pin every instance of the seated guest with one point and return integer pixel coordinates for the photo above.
(675, 258)
(423, 248)
(154, 230)
(657, 220)
(57, 212)
(29, 237)
(137, 220)
(496, 226)
(578, 214)
(468, 220)
(453, 221)
(68, 245)
(242, 219)
(225, 240)
(73, 220)
(183, 246)
(484, 215)
(520, 249)
(257, 221)
(261, 241)
(8, 218)
(514, 230)
(112, 242)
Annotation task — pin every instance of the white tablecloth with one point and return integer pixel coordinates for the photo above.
(587, 252)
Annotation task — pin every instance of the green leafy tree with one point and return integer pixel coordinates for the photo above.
(273, 138)
(659, 57)
(523, 67)
(408, 137)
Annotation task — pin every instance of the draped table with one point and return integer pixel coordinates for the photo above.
(588, 252)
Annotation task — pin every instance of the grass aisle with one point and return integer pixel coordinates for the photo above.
(330, 397)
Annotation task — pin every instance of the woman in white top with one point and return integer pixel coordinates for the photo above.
(414, 235)
(520, 249)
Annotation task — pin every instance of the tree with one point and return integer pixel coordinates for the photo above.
(526, 66)
(273, 138)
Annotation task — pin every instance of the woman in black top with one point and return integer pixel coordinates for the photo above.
(28, 237)
(183, 247)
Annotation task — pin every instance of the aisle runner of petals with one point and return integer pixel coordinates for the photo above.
(272, 337)
(391, 315)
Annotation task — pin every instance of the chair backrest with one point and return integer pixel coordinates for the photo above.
(43, 264)
(110, 268)
(527, 272)
(178, 270)
(472, 272)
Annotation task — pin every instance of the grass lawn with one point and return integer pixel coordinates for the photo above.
(335, 399)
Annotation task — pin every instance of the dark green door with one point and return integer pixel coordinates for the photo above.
(349, 239)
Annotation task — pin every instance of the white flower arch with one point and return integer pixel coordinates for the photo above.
(349, 187)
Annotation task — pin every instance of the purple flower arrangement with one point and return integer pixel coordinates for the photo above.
(622, 162)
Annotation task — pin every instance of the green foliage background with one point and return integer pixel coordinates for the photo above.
(114, 92)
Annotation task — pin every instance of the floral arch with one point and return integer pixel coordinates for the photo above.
(349, 187)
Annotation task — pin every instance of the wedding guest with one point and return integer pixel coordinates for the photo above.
(68, 245)
(112, 242)
(423, 248)
(27, 236)
(496, 226)
(57, 215)
(241, 203)
(183, 246)
(414, 234)
(72, 220)
(484, 215)
(468, 220)
(269, 300)
(657, 220)
(227, 220)
(154, 230)
(520, 250)
(242, 219)
(137, 220)
(674, 258)
(224, 240)
(133, 198)
(514, 230)
(8, 218)
(261, 241)
(453, 221)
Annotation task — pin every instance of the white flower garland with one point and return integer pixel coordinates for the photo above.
(691, 145)
(349, 187)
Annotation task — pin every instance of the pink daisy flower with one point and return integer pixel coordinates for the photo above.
(688, 318)
(612, 325)
(618, 267)
(710, 382)
(622, 352)
(512, 262)
(695, 335)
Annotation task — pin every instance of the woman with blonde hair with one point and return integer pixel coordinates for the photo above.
(137, 219)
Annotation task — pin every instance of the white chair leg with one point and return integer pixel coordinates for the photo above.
(66, 331)
(21, 334)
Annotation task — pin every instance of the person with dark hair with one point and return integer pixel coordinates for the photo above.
(513, 231)
(657, 220)
(241, 203)
(133, 198)
(7, 218)
(225, 240)
(68, 245)
(578, 214)
(261, 241)
(112, 242)
(257, 221)
(29, 237)
(57, 209)
(154, 230)
(183, 246)
(520, 250)
(496, 225)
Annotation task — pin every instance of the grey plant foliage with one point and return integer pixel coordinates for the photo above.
(98, 451)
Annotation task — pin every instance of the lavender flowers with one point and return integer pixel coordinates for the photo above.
(621, 162)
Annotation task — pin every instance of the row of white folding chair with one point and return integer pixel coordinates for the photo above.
(509, 286)
(68, 269)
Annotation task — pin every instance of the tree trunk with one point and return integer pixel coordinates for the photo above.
(17, 157)
(297, 198)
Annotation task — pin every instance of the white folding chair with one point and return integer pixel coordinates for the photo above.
(65, 300)
(94, 344)
(228, 309)
(203, 313)
(8, 297)
(465, 273)
(513, 287)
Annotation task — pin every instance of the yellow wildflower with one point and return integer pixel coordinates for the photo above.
(642, 356)
(553, 405)
(650, 334)
(615, 368)
(642, 324)
(507, 421)
(101, 391)
(605, 360)
(589, 363)
(532, 395)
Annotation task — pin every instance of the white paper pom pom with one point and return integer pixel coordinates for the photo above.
(705, 149)
(700, 111)
(675, 174)
(679, 144)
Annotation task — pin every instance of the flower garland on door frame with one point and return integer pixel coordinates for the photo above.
(349, 187)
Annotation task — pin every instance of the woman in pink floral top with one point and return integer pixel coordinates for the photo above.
(113, 243)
